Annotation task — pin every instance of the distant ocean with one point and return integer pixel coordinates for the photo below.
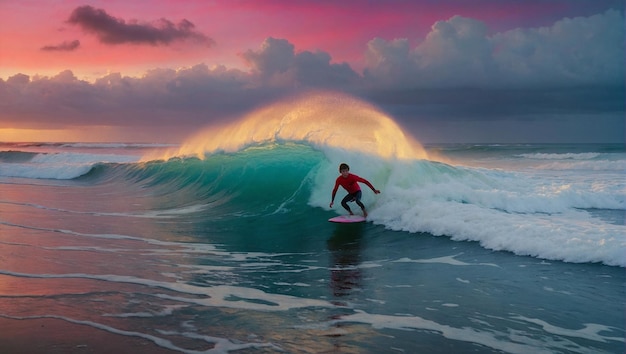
(482, 248)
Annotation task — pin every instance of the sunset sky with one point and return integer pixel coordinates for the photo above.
(446, 71)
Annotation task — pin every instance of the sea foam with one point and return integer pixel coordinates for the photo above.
(60, 166)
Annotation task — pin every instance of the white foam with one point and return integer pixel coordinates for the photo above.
(511, 341)
(527, 213)
(590, 331)
(175, 247)
(564, 156)
(69, 158)
(166, 311)
(151, 214)
(572, 236)
(221, 345)
(585, 165)
(216, 296)
(60, 165)
(292, 284)
(248, 259)
(450, 260)
(161, 214)
(495, 340)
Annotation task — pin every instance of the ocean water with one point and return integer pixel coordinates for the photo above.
(468, 249)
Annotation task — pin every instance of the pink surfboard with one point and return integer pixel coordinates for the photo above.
(346, 219)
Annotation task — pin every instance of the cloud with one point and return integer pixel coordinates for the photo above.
(570, 72)
(63, 47)
(184, 98)
(459, 52)
(582, 50)
(278, 65)
(112, 30)
(274, 57)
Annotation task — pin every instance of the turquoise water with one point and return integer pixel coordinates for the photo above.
(509, 248)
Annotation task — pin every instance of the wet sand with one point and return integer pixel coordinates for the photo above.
(50, 336)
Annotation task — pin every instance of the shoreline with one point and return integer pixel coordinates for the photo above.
(50, 335)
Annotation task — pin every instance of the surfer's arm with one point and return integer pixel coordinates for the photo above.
(363, 180)
(332, 199)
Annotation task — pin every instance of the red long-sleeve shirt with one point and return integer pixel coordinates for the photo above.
(350, 183)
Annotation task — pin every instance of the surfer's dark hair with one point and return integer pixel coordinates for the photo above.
(344, 166)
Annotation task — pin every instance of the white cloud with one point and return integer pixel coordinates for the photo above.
(459, 52)
(583, 50)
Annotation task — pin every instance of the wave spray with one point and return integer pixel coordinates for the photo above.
(322, 119)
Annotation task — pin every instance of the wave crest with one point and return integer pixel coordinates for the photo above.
(324, 119)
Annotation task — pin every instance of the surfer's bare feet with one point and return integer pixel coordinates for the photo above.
(364, 213)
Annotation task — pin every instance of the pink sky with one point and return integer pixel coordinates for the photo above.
(98, 69)
(341, 28)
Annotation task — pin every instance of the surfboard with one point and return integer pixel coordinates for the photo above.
(346, 219)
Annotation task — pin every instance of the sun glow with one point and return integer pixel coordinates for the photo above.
(35, 135)
(83, 134)
(323, 119)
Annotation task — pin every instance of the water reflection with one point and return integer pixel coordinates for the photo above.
(345, 250)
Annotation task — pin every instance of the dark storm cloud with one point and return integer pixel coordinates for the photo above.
(566, 75)
(112, 30)
(63, 47)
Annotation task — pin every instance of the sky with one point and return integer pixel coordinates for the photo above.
(482, 71)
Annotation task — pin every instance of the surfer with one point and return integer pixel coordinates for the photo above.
(350, 183)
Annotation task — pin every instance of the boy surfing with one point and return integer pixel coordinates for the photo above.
(350, 183)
